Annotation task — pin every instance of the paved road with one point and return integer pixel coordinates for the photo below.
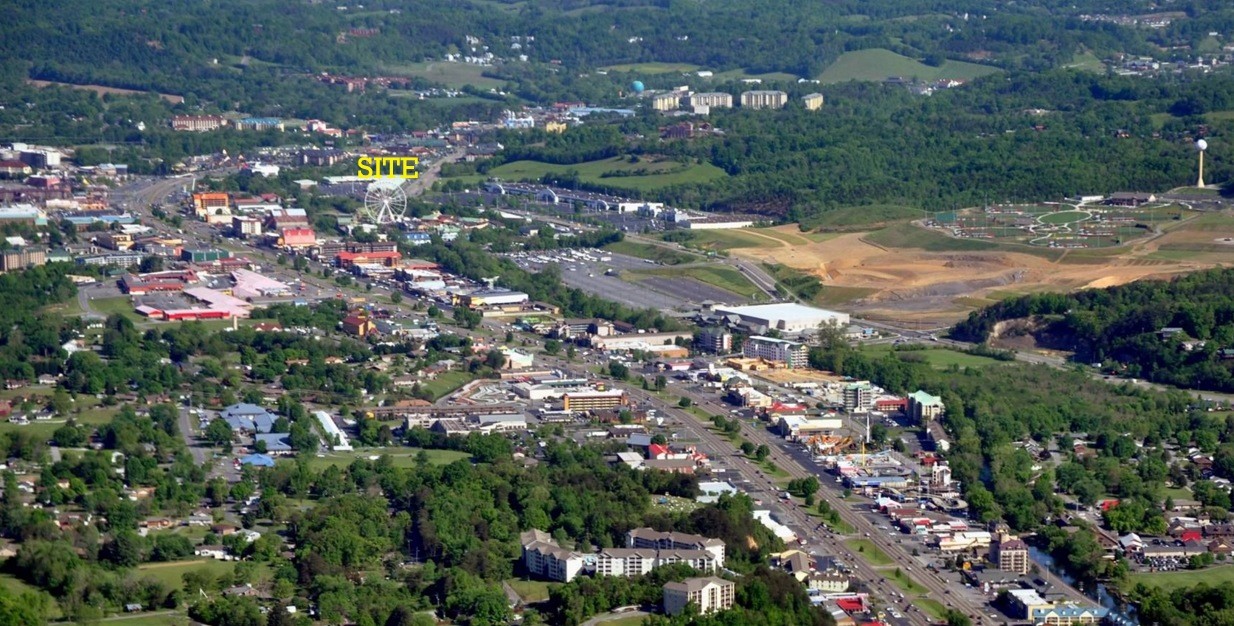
(201, 455)
(612, 617)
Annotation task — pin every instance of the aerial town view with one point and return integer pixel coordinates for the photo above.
(617, 313)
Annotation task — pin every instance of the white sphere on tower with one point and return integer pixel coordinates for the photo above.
(1201, 145)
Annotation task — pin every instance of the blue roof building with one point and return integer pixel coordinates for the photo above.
(259, 460)
(276, 443)
(249, 418)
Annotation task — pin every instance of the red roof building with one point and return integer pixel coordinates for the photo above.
(657, 451)
(298, 238)
(891, 404)
(348, 259)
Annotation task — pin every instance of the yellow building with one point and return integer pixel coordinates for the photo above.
(555, 127)
(595, 400)
(813, 102)
(763, 99)
(665, 101)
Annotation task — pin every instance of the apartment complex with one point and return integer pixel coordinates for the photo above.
(716, 340)
(21, 258)
(651, 538)
(708, 594)
(639, 561)
(665, 101)
(711, 99)
(813, 101)
(544, 558)
(791, 353)
(923, 407)
(199, 123)
(763, 99)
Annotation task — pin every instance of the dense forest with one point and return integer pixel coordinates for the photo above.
(1122, 327)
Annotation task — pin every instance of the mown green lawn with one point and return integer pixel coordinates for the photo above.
(399, 457)
(447, 382)
(878, 64)
(868, 551)
(643, 175)
(1170, 581)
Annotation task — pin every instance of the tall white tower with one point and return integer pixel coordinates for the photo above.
(1201, 146)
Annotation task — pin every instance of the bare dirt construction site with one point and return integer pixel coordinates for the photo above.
(908, 273)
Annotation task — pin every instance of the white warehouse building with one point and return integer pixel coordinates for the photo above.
(332, 432)
(786, 318)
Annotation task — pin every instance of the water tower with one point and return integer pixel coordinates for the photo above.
(637, 86)
(1201, 146)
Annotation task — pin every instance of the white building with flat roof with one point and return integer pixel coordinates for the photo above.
(787, 317)
(335, 438)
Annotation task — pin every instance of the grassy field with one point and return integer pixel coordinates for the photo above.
(933, 607)
(120, 304)
(452, 75)
(1087, 62)
(1170, 581)
(868, 551)
(864, 217)
(937, 357)
(725, 278)
(1063, 217)
(909, 236)
(659, 254)
(532, 590)
(633, 620)
(399, 457)
(654, 67)
(171, 574)
(727, 239)
(645, 175)
(878, 64)
(158, 619)
(447, 382)
(905, 582)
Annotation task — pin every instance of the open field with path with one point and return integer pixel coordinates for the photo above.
(878, 64)
(907, 272)
(645, 175)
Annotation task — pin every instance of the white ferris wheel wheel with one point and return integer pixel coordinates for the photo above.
(384, 201)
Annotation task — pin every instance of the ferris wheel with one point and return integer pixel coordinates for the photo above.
(384, 201)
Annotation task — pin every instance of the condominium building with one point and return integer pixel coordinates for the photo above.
(711, 99)
(709, 594)
(198, 123)
(858, 397)
(791, 353)
(716, 340)
(763, 99)
(813, 102)
(21, 258)
(639, 561)
(651, 538)
(1011, 555)
(665, 101)
(594, 400)
(544, 558)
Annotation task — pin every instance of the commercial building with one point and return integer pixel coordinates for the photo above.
(665, 101)
(1029, 605)
(792, 354)
(544, 558)
(297, 238)
(715, 340)
(211, 203)
(813, 101)
(786, 318)
(859, 397)
(246, 227)
(248, 418)
(358, 325)
(651, 538)
(23, 214)
(800, 428)
(492, 297)
(712, 99)
(203, 255)
(708, 595)
(639, 561)
(594, 400)
(923, 407)
(163, 282)
(1011, 555)
(763, 99)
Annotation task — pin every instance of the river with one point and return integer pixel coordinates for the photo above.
(1121, 613)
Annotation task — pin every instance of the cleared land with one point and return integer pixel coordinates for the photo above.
(722, 277)
(452, 75)
(102, 91)
(447, 382)
(172, 573)
(617, 172)
(653, 67)
(878, 64)
(940, 357)
(727, 239)
(909, 273)
(531, 590)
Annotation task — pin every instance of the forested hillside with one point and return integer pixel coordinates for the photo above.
(1124, 326)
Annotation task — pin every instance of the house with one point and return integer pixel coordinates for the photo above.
(241, 591)
(133, 607)
(157, 523)
(357, 324)
(707, 594)
(223, 530)
(214, 552)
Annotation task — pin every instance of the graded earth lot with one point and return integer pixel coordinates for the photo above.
(909, 273)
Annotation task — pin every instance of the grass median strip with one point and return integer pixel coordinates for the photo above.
(868, 551)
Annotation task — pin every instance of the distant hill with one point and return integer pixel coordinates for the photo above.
(878, 64)
(1175, 332)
